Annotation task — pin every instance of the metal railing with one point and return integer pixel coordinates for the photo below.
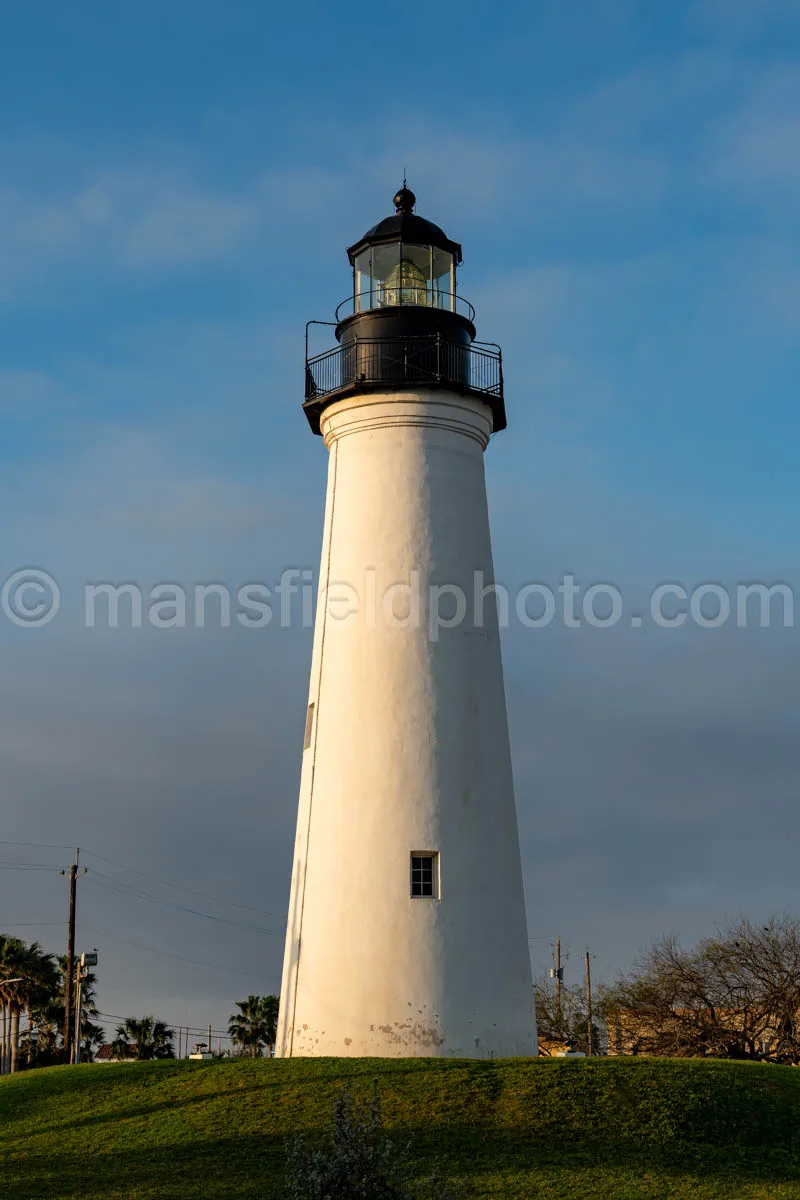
(424, 361)
(407, 294)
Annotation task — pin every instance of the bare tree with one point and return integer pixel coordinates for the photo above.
(734, 995)
(566, 1024)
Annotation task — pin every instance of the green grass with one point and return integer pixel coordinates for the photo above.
(606, 1129)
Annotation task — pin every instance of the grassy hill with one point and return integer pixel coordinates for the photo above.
(606, 1129)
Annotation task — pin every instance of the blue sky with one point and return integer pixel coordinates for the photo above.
(177, 186)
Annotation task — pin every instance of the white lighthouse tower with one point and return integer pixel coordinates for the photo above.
(406, 929)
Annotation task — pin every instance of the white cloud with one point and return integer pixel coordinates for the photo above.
(30, 395)
(150, 217)
(756, 149)
(592, 160)
(731, 20)
(181, 227)
(130, 221)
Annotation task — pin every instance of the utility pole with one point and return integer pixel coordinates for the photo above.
(87, 960)
(210, 1051)
(73, 873)
(76, 1040)
(589, 1034)
(68, 983)
(559, 979)
(557, 973)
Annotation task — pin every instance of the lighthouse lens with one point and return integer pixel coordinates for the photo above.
(397, 273)
(406, 284)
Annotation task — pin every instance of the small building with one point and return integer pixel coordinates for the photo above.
(106, 1054)
(558, 1048)
(663, 1032)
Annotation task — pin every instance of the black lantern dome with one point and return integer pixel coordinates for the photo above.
(405, 326)
(405, 226)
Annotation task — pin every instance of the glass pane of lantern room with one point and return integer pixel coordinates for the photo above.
(362, 281)
(444, 279)
(415, 275)
(385, 264)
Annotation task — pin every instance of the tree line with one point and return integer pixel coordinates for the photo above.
(33, 987)
(735, 994)
(252, 1031)
(33, 984)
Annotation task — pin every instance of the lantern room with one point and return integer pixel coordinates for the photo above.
(399, 273)
(404, 259)
(404, 324)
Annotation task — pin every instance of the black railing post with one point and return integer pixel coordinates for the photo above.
(311, 387)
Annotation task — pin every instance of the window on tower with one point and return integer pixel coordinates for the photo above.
(424, 875)
(309, 726)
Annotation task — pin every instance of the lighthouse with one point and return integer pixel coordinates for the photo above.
(406, 931)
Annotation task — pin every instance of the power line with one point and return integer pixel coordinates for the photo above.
(124, 888)
(167, 953)
(217, 1033)
(118, 885)
(35, 845)
(177, 886)
(136, 871)
(29, 924)
(191, 1028)
(11, 866)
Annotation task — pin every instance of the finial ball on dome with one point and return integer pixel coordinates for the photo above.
(405, 200)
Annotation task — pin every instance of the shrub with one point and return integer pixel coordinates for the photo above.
(358, 1161)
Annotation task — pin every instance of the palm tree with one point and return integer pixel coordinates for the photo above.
(147, 1037)
(91, 1036)
(28, 979)
(255, 1025)
(47, 1016)
(271, 1007)
(12, 952)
